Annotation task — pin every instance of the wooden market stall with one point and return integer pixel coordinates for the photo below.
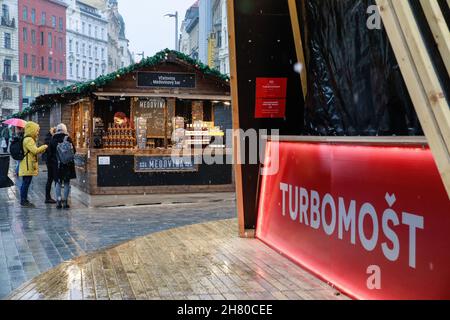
(148, 128)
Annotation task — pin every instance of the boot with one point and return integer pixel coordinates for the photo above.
(49, 200)
(66, 205)
(59, 205)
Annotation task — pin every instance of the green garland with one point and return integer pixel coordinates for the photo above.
(90, 86)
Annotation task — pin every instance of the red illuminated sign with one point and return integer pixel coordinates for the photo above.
(271, 97)
(373, 221)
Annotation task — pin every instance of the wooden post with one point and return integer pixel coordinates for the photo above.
(420, 77)
(236, 126)
(298, 44)
(439, 28)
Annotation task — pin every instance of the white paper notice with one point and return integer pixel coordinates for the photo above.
(104, 161)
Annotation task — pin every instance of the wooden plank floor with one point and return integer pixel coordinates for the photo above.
(204, 261)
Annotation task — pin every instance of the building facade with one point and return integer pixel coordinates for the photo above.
(87, 42)
(9, 59)
(42, 47)
(204, 34)
(189, 39)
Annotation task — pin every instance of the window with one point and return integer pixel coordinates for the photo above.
(96, 72)
(25, 13)
(103, 53)
(90, 51)
(90, 72)
(42, 38)
(50, 64)
(61, 24)
(33, 36)
(7, 93)
(42, 64)
(83, 49)
(7, 40)
(53, 22)
(43, 19)
(5, 12)
(219, 39)
(70, 45)
(60, 45)
(33, 16)
(103, 34)
(77, 47)
(25, 35)
(78, 70)
(96, 32)
(90, 31)
(61, 68)
(7, 68)
(71, 69)
(83, 27)
(25, 60)
(33, 62)
(95, 52)
(50, 40)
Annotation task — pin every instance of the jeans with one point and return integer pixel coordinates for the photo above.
(26, 182)
(48, 186)
(66, 190)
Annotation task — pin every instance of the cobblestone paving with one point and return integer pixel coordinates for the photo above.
(33, 241)
(203, 261)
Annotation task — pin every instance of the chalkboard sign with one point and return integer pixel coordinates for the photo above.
(164, 164)
(165, 80)
(153, 110)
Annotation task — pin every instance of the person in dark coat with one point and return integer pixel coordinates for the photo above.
(50, 171)
(62, 173)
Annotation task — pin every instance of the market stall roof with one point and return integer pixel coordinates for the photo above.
(162, 56)
(79, 90)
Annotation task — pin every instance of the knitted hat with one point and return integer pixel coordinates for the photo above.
(61, 128)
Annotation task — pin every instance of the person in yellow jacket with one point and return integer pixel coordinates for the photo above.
(29, 166)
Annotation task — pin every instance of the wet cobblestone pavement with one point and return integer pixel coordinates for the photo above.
(198, 262)
(33, 241)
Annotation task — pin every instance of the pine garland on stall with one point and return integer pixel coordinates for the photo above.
(91, 86)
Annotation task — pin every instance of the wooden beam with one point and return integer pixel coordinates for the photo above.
(421, 79)
(439, 28)
(299, 44)
(236, 124)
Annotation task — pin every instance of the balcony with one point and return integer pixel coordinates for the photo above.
(7, 22)
(9, 78)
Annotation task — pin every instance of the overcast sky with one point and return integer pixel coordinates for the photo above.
(147, 28)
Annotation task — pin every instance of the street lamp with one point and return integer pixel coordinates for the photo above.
(141, 54)
(171, 15)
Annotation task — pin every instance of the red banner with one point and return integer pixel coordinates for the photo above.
(373, 221)
(270, 98)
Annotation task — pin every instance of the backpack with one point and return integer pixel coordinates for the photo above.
(65, 151)
(16, 148)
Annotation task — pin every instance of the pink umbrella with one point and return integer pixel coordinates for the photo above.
(16, 122)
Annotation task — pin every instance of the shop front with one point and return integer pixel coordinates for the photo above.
(147, 130)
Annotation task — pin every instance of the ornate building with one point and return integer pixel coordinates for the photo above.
(118, 53)
(42, 47)
(87, 42)
(9, 58)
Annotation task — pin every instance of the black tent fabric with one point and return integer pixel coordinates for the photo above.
(355, 84)
(5, 181)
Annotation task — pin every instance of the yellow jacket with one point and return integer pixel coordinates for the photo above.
(29, 166)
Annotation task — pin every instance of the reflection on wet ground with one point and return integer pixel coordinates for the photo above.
(204, 261)
(33, 241)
